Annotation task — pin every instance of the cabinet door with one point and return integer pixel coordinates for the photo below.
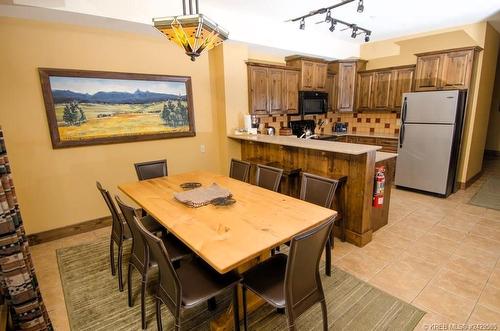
(457, 67)
(257, 84)
(319, 78)
(402, 83)
(307, 81)
(275, 78)
(291, 92)
(381, 89)
(364, 91)
(429, 68)
(331, 89)
(346, 84)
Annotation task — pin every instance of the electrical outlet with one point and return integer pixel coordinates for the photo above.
(202, 148)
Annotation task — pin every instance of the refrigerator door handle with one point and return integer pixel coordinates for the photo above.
(403, 110)
(401, 135)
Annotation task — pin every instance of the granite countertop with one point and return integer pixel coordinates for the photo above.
(382, 156)
(327, 146)
(369, 134)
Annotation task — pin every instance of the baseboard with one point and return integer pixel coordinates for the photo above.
(70, 230)
(470, 181)
(488, 153)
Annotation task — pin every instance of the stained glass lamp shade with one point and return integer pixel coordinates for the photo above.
(195, 33)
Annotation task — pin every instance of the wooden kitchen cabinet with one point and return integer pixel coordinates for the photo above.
(272, 89)
(445, 70)
(381, 94)
(364, 98)
(346, 72)
(291, 91)
(403, 83)
(331, 89)
(313, 72)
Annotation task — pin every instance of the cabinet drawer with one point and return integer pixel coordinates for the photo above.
(386, 142)
(366, 140)
(389, 149)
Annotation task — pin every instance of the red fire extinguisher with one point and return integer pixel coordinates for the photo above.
(378, 187)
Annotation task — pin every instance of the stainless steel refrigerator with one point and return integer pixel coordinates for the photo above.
(429, 141)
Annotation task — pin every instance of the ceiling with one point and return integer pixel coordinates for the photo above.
(262, 22)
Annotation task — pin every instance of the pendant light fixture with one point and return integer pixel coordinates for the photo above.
(195, 32)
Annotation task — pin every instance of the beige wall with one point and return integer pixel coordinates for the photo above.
(57, 187)
(400, 51)
(493, 138)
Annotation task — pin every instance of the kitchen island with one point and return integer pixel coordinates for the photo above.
(334, 160)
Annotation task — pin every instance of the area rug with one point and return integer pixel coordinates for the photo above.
(488, 195)
(94, 303)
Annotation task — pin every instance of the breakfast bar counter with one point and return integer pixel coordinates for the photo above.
(332, 159)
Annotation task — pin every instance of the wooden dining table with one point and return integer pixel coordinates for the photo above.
(233, 237)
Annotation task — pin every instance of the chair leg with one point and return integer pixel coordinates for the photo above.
(112, 256)
(158, 315)
(120, 268)
(177, 326)
(328, 258)
(325, 315)
(343, 229)
(244, 302)
(236, 309)
(129, 285)
(143, 300)
(211, 304)
(290, 321)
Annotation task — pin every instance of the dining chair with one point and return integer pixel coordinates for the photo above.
(291, 282)
(191, 284)
(321, 191)
(151, 169)
(119, 233)
(268, 177)
(239, 170)
(139, 255)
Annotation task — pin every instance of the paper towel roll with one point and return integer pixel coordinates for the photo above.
(248, 122)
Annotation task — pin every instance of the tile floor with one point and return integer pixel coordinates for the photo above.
(440, 255)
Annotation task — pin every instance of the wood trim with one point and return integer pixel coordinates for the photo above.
(270, 65)
(470, 181)
(408, 66)
(475, 48)
(305, 58)
(70, 230)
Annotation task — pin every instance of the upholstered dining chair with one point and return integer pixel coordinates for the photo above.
(321, 191)
(292, 282)
(151, 169)
(239, 170)
(139, 255)
(268, 177)
(191, 284)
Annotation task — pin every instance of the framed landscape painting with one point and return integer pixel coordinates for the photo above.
(97, 107)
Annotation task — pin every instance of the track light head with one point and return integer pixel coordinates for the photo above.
(332, 26)
(354, 31)
(361, 6)
(302, 25)
(367, 36)
(328, 17)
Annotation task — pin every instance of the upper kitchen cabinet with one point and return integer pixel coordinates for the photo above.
(346, 72)
(272, 89)
(445, 70)
(382, 89)
(313, 72)
(331, 89)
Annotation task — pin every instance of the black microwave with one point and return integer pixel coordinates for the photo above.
(313, 102)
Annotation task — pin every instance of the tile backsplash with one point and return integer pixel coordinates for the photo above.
(365, 122)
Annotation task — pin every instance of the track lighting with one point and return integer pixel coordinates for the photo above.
(328, 17)
(361, 6)
(332, 26)
(354, 31)
(302, 24)
(367, 36)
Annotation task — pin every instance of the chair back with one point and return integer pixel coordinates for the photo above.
(117, 226)
(151, 169)
(302, 281)
(268, 177)
(169, 283)
(239, 170)
(139, 254)
(318, 190)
